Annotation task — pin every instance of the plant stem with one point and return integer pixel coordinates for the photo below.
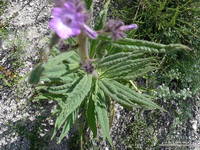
(83, 48)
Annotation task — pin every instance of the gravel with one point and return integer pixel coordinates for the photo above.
(28, 30)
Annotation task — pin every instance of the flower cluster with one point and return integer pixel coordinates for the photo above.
(117, 28)
(69, 19)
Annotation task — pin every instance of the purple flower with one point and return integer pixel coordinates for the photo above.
(69, 19)
(117, 28)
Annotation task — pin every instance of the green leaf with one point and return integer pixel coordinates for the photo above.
(93, 46)
(66, 56)
(35, 74)
(58, 71)
(177, 47)
(111, 60)
(141, 48)
(68, 125)
(64, 88)
(138, 72)
(88, 3)
(39, 97)
(101, 20)
(144, 46)
(140, 99)
(139, 43)
(74, 99)
(54, 71)
(69, 78)
(103, 116)
(112, 92)
(91, 117)
(129, 66)
(99, 48)
(49, 96)
(55, 67)
(113, 57)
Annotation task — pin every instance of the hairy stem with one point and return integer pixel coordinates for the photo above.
(83, 48)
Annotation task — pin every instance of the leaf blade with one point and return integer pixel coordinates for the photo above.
(74, 99)
(103, 116)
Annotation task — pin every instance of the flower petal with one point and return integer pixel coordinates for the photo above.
(57, 11)
(62, 30)
(70, 6)
(75, 31)
(128, 27)
(88, 31)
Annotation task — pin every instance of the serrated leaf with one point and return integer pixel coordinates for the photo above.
(134, 48)
(103, 116)
(112, 92)
(68, 125)
(145, 46)
(114, 59)
(74, 99)
(60, 58)
(133, 42)
(50, 96)
(54, 68)
(130, 94)
(93, 46)
(64, 88)
(137, 73)
(128, 66)
(52, 75)
(91, 117)
(176, 47)
(139, 43)
(99, 48)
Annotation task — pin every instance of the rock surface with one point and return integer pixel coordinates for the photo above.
(28, 37)
(28, 33)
